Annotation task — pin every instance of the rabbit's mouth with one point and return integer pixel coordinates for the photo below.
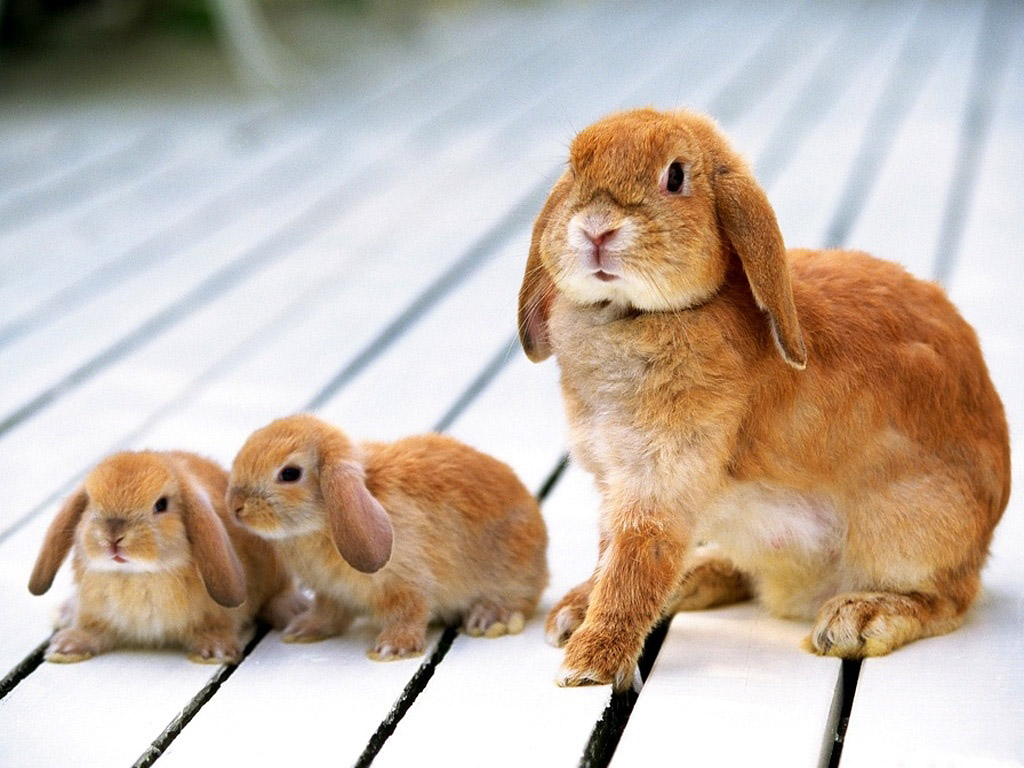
(605, 277)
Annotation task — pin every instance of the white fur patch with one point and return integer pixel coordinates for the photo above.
(752, 522)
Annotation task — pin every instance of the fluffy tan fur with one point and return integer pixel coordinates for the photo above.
(158, 562)
(818, 426)
(466, 539)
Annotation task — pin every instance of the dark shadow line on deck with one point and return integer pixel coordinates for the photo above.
(407, 698)
(489, 373)
(608, 731)
(175, 727)
(848, 678)
(26, 667)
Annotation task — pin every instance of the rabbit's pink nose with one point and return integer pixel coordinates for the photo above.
(600, 238)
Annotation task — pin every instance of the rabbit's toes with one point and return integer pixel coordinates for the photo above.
(216, 649)
(594, 657)
(854, 626)
(486, 619)
(312, 627)
(71, 645)
(567, 615)
(396, 644)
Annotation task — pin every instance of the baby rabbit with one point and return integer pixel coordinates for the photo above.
(423, 528)
(158, 562)
(817, 426)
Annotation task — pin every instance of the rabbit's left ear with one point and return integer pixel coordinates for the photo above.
(538, 289)
(359, 525)
(749, 224)
(218, 564)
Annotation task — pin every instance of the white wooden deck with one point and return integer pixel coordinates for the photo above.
(180, 264)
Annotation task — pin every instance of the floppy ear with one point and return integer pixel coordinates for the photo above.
(359, 525)
(749, 223)
(59, 538)
(218, 564)
(538, 289)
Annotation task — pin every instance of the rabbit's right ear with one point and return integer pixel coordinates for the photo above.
(59, 538)
(359, 525)
(538, 289)
(747, 220)
(214, 555)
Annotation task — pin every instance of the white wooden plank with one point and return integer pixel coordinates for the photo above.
(46, 723)
(959, 699)
(103, 149)
(733, 687)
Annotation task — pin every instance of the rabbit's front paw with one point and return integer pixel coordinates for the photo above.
(487, 619)
(218, 648)
(594, 656)
(399, 643)
(71, 645)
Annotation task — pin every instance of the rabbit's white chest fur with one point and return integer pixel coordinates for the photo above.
(145, 608)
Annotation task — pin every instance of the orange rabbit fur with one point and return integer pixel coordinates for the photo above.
(815, 427)
(158, 562)
(420, 529)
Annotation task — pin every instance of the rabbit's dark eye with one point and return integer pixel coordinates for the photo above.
(289, 474)
(676, 178)
(161, 505)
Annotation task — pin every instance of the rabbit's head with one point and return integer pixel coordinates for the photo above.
(143, 512)
(647, 216)
(298, 476)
